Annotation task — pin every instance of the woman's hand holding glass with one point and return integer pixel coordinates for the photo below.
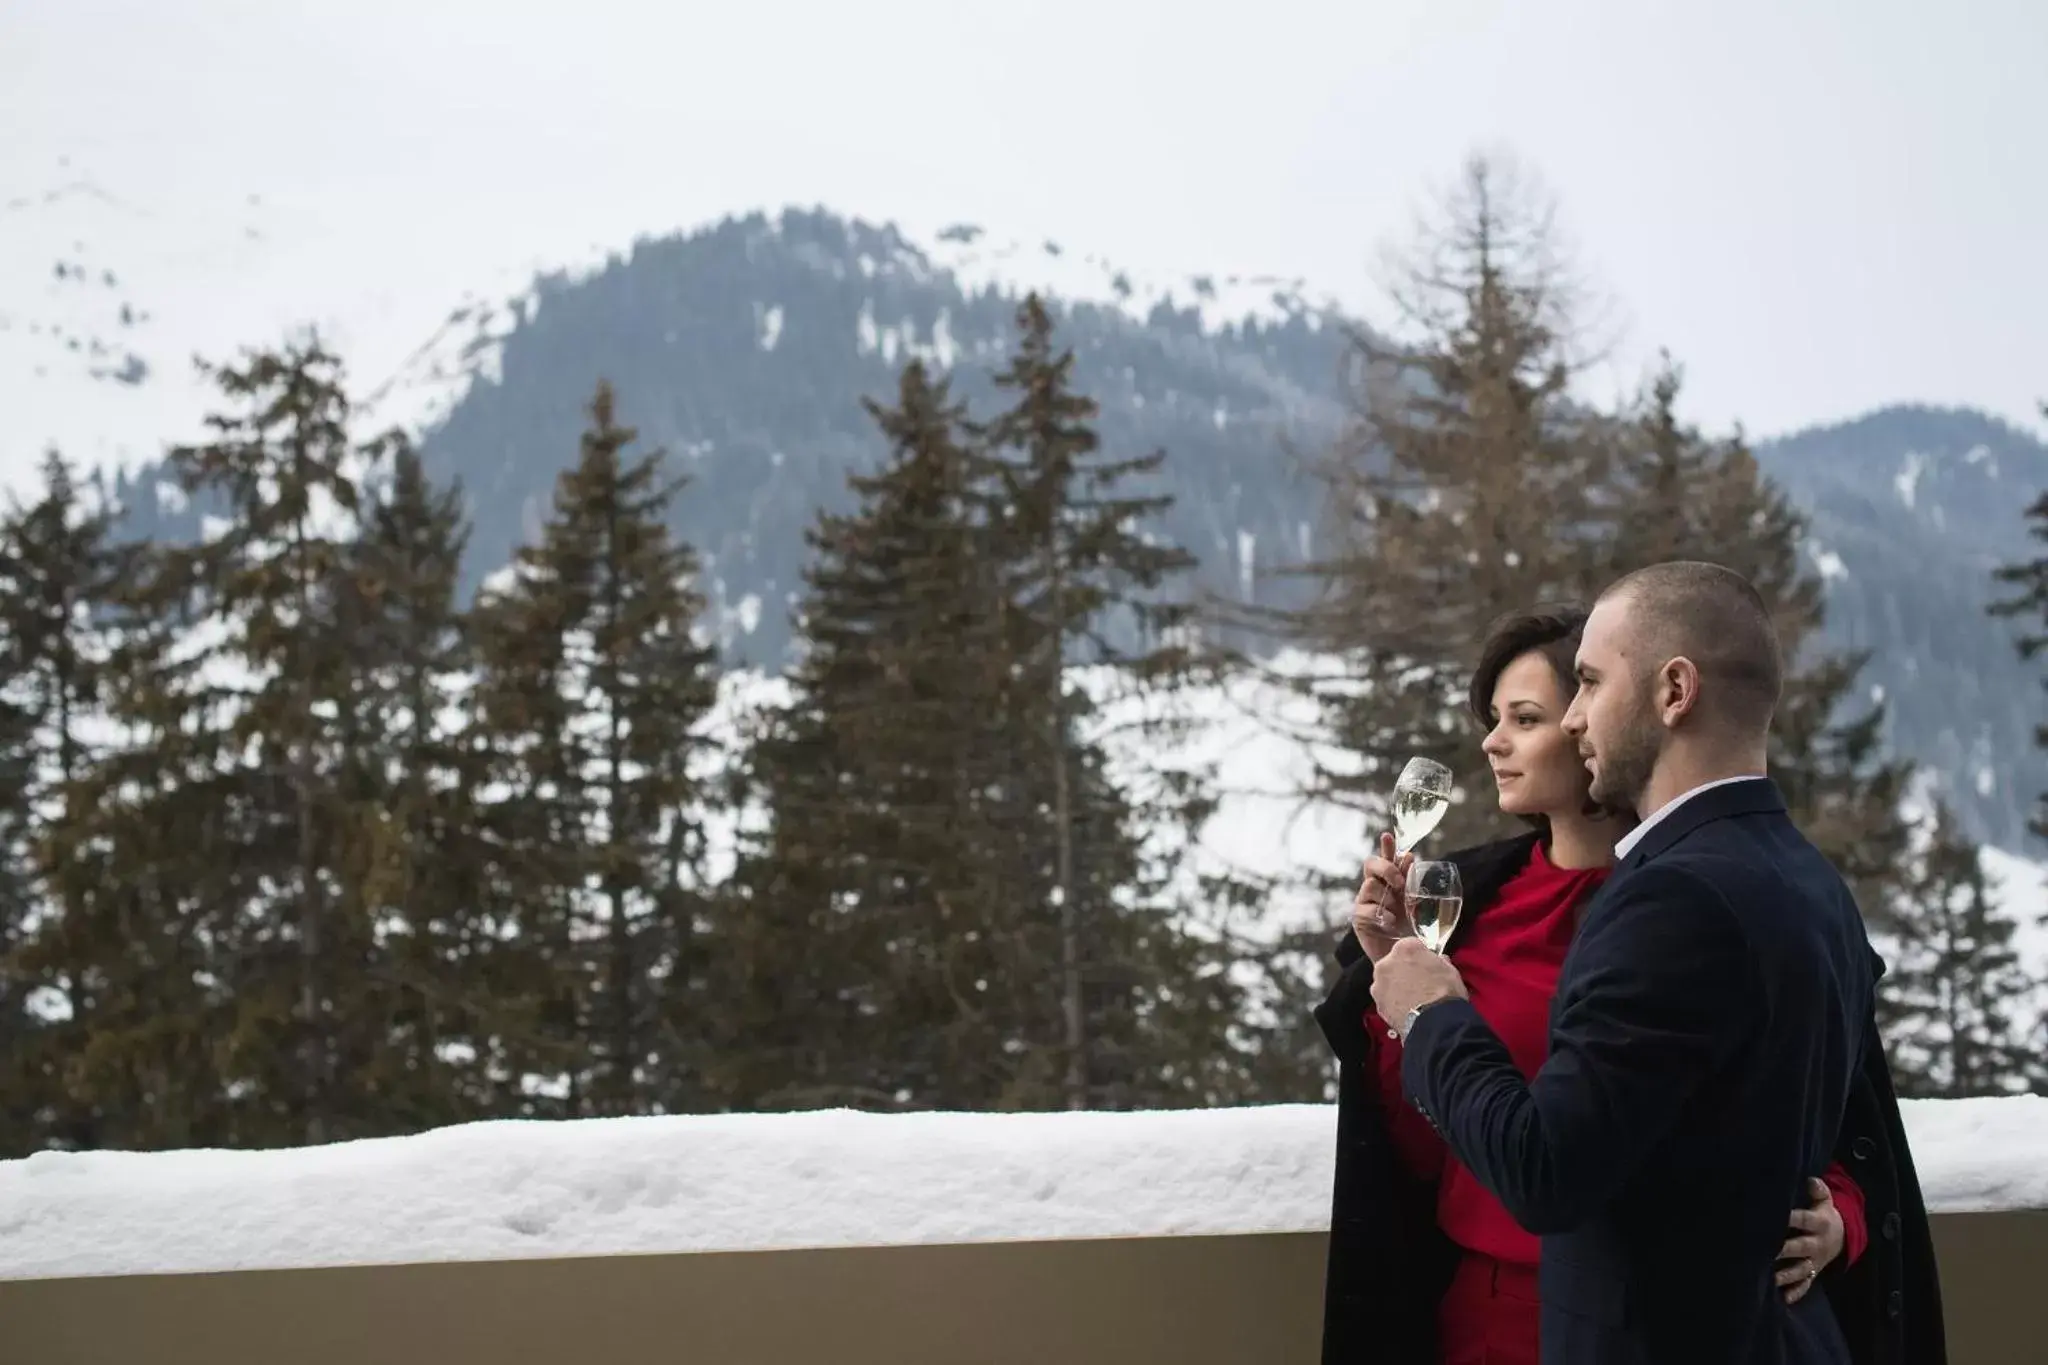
(1379, 913)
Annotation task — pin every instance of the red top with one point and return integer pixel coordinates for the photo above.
(1510, 958)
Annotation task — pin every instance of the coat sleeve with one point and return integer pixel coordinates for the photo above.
(1848, 1197)
(1888, 1301)
(1341, 1015)
(1417, 1145)
(1388, 1260)
(1641, 1020)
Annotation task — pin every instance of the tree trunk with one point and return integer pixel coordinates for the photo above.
(1075, 1082)
(622, 992)
(315, 1053)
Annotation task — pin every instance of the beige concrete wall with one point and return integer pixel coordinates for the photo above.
(1245, 1300)
(1991, 1286)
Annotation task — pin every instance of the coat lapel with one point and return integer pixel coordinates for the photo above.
(1759, 797)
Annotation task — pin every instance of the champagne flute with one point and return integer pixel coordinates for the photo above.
(1435, 896)
(1421, 796)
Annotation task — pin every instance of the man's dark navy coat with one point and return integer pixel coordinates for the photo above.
(1705, 1032)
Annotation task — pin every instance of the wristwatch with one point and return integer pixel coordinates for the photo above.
(1408, 1019)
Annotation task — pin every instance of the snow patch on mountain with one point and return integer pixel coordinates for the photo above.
(106, 304)
(980, 260)
(771, 325)
(1907, 481)
(1826, 562)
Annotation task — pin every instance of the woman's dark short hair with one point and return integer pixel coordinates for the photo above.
(1551, 631)
(1554, 633)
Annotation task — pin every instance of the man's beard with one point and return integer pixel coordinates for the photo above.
(1626, 764)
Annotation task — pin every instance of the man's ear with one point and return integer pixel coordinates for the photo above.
(1678, 691)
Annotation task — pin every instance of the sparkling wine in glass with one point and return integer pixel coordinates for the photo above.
(1435, 896)
(1421, 796)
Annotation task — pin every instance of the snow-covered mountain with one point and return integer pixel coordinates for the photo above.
(744, 348)
(106, 302)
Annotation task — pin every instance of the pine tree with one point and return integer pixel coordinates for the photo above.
(1474, 485)
(27, 1095)
(875, 932)
(61, 578)
(140, 867)
(276, 684)
(64, 574)
(416, 857)
(122, 853)
(1088, 588)
(1952, 1004)
(593, 690)
(2028, 583)
(1467, 484)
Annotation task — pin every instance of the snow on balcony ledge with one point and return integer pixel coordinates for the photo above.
(496, 1191)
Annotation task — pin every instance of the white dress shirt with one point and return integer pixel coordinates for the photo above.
(1628, 841)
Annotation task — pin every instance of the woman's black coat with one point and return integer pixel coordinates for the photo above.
(1389, 1264)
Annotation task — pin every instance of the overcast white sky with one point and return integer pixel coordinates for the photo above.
(1820, 206)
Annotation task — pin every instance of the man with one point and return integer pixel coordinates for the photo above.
(1706, 1025)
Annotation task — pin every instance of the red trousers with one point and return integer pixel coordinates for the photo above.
(1490, 1315)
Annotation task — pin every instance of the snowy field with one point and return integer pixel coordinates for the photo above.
(602, 1187)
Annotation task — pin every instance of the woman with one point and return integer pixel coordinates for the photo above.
(1426, 1267)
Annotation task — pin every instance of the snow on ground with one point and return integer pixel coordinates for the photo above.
(1244, 733)
(753, 1182)
(2020, 887)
